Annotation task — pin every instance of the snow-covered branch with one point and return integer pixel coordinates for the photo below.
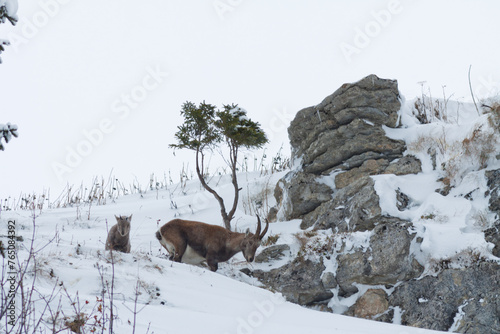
(8, 11)
(6, 132)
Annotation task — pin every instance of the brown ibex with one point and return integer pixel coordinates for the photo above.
(194, 242)
(119, 235)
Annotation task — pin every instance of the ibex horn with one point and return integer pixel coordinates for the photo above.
(265, 230)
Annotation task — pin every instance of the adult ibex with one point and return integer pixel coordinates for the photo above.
(119, 235)
(194, 242)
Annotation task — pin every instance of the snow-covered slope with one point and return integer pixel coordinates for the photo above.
(71, 274)
(70, 265)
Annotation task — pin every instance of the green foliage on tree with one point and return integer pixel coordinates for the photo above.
(238, 130)
(205, 128)
(198, 131)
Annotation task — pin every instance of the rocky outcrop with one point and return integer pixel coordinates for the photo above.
(351, 108)
(466, 298)
(337, 146)
(343, 135)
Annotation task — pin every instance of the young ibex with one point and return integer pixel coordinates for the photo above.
(119, 235)
(194, 242)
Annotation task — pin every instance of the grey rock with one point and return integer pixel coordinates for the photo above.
(404, 166)
(353, 208)
(329, 280)
(373, 99)
(387, 316)
(369, 167)
(304, 194)
(481, 316)
(493, 181)
(433, 302)
(299, 282)
(344, 132)
(352, 143)
(387, 261)
(271, 253)
(493, 235)
(246, 271)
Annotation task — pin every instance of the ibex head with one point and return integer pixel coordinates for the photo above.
(251, 241)
(123, 224)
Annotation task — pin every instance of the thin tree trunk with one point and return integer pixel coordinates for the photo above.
(234, 179)
(225, 217)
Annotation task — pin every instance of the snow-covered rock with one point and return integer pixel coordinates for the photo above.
(423, 206)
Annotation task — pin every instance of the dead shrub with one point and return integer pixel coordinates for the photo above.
(271, 240)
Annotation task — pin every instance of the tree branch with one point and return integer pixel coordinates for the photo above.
(234, 160)
(201, 177)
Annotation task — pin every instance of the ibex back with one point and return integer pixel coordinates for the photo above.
(194, 242)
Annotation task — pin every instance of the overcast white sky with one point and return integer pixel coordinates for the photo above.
(124, 68)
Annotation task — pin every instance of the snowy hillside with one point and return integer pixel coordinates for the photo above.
(70, 267)
(93, 88)
(68, 273)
